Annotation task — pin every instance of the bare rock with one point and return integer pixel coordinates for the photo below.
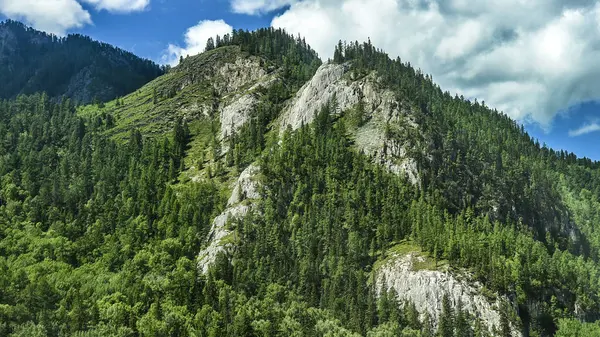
(381, 108)
(221, 238)
(235, 76)
(236, 114)
(427, 288)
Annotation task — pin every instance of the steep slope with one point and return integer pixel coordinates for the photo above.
(75, 66)
(416, 278)
(401, 120)
(373, 111)
(253, 191)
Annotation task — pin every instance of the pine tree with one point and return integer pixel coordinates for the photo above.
(504, 321)
(446, 323)
(210, 44)
(462, 325)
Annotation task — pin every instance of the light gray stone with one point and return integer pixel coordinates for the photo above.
(381, 107)
(427, 288)
(246, 187)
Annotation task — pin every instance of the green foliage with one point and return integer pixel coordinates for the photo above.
(446, 324)
(98, 237)
(75, 66)
(575, 328)
(100, 221)
(528, 211)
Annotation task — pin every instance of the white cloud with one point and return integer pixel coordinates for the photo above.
(585, 129)
(119, 6)
(195, 40)
(531, 59)
(253, 7)
(58, 16)
(53, 16)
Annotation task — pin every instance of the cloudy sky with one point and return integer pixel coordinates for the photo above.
(536, 60)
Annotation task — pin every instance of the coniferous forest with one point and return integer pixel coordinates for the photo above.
(100, 234)
(76, 66)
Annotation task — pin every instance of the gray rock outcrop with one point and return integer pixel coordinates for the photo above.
(427, 288)
(221, 238)
(236, 114)
(381, 109)
(244, 72)
(238, 84)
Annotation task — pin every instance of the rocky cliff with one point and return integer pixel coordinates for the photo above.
(221, 237)
(382, 110)
(413, 280)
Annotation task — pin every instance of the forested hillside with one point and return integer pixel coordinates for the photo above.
(191, 208)
(75, 66)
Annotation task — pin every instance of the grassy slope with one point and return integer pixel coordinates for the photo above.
(404, 248)
(138, 111)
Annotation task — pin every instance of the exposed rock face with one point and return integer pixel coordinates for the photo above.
(235, 83)
(381, 108)
(389, 153)
(234, 76)
(325, 84)
(427, 288)
(245, 188)
(236, 114)
(238, 84)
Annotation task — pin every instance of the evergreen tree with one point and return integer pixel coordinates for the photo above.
(446, 321)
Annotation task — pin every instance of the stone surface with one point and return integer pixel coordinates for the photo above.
(427, 288)
(246, 188)
(243, 73)
(236, 114)
(217, 242)
(381, 107)
(238, 84)
(325, 84)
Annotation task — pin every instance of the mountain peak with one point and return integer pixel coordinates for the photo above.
(253, 190)
(74, 66)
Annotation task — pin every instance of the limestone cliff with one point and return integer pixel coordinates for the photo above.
(337, 83)
(221, 235)
(426, 288)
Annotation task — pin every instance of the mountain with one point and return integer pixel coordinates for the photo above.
(75, 66)
(255, 190)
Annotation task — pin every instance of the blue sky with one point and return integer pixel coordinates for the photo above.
(561, 135)
(540, 69)
(148, 33)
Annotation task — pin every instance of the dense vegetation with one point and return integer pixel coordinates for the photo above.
(525, 211)
(103, 241)
(99, 237)
(75, 66)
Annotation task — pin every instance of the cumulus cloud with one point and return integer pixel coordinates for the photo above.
(258, 6)
(532, 59)
(53, 16)
(195, 40)
(119, 6)
(58, 16)
(585, 129)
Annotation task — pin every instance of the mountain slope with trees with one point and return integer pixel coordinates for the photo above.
(75, 66)
(104, 209)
